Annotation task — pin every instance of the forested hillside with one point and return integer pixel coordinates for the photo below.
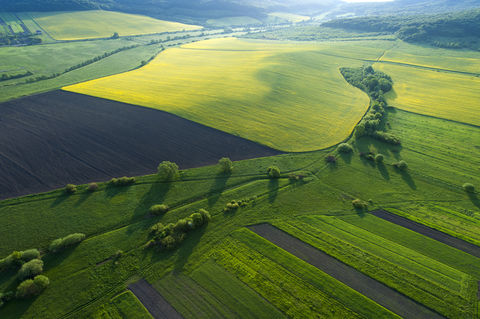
(454, 30)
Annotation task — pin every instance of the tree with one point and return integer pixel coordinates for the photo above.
(30, 269)
(168, 171)
(379, 158)
(70, 188)
(92, 187)
(345, 148)
(226, 165)
(401, 165)
(159, 209)
(273, 172)
(115, 35)
(61, 243)
(33, 287)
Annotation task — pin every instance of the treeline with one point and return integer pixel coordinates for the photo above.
(453, 30)
(6, 77)
(375, 84)
(19, 39)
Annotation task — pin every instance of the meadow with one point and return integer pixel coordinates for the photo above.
(103, 24)
(246, 89)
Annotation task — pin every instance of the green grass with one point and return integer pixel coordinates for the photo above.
(123, 306)
(233, 21)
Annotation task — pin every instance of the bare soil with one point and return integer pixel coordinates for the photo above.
(55, 138)
(367, 286)
(151, 299)
(454, 242)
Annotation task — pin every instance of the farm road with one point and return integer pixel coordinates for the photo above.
(369, 287)
(454, 242)
(151, 299)
(52, 139)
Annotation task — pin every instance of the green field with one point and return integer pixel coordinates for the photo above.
(284, 94)
(103, 24)
(245, 89)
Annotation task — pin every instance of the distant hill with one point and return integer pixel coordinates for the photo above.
(453, 30)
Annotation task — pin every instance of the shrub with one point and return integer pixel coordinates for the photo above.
(70, 189)
(92, 187)
(159, 209)
(30, 269)
(359, 204)
(168, 171)
(379, 158)
(401, 165)
(387, 138)
(62, 243)
(469, 188)
(14, 259)
(33, 287)
(226, 165)
(273, 172)
(5, 297)
(345, 148)
(122, 181)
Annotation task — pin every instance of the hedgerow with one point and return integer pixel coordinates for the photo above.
(62, 243)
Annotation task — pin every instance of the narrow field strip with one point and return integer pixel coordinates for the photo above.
(367, 286)
(158, 307)
(429, 232)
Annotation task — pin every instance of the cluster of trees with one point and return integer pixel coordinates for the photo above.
(122, 181)
(61, 243)
(359, 204)
(6, 77)
(19, 39)
(375, 84)
(236, 204)
(172, 235)
(30, 268)
(453, 30)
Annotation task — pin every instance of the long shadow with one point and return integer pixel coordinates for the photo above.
(53, 260)
(187, 247)
(347, 157)
(408, 179)
(155, 195)
(384, 171)
(217, 188)
(60, 199)
(272, 190)
(474, 199)
(112, 191)
(83, 197)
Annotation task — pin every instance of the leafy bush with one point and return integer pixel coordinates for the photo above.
(30, 269)
(70, 188)
(273, 172)
(92, 187)
(331, 159)
(159, 209)
(226, 165)
(171, 235)
(14, 259)
(62, 243)
(345, 148)
(5, 297)
(168, 171)
(469, 188)
(379, 158)
(387, 137)
(34, 287)
(122, 181)
(401, 165)
(359, 204)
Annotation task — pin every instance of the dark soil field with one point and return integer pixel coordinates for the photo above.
(55, 138)
(378, 292)
(158, 307)
(454, 242)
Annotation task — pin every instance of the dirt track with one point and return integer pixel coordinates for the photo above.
(378, 292)
(158, 307)
(429, 232)
(55, 138)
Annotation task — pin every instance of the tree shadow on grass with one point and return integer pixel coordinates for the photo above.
(82, 198)
(60, 199)
(112, 191)
(407, 179)
(155, 195)
(383, 171)
(272, 190)
(347, 157)
(187, 247)
(52, 260)
(18, 307)
(217, 188)
(474, 199)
